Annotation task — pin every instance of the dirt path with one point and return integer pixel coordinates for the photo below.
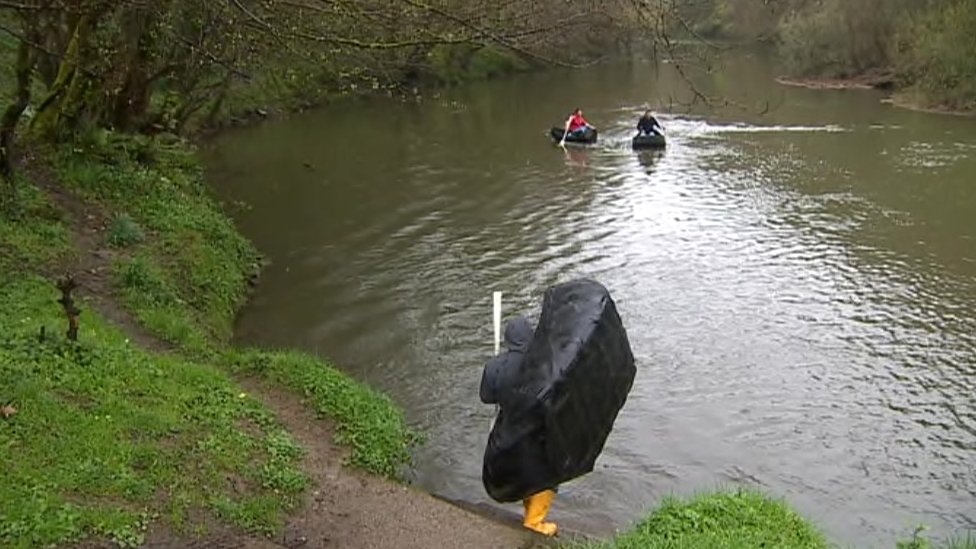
(343, 508)
(348, 509)
(91, 265)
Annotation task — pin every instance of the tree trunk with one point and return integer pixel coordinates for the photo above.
(11, 116)
(66, 92)
(131, 100)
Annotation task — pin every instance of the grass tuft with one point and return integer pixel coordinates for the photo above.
(32, 233)
(125, 232)
(724, 520)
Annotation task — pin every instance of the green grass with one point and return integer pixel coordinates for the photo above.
(32, 233)
(154, 299)
(723, 520)
(938, 56)
(191, 242)
(108, 436)
(367, 421)
(736, 519)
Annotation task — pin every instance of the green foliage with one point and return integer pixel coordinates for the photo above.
(32, 232)
(367, 421)
(150, 295)
(739, 519)
(840, 38)
(938, 55)
(456, 64)
(107, 436)
(724, 520)
(203, 260)
(929, 45)
(486, 63)
(124, 231)
(739, 19)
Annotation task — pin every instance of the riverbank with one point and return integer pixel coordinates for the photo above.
(150, 429)
(871, 80)
(881, 81)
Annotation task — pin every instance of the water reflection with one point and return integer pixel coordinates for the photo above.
(648, 160)
(576, 156)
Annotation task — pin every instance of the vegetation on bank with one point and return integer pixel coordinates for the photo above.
(721, 520)
(106, 437)
(926, 49)
(180, 264)
(739, 519)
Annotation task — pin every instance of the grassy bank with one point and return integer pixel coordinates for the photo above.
(735, 520)
(107, 437)
(723, 520)
(101, 437)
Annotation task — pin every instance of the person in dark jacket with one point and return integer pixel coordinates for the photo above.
(648, 125)
(498, 387)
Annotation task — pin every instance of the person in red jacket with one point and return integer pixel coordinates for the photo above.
(576, 124)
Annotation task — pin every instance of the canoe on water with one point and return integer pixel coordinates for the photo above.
(588, 136)
(653, 141)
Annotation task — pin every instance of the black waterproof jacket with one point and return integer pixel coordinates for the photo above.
(648, 125)
(501, 372)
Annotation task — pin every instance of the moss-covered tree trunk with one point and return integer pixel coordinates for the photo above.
(58, 112)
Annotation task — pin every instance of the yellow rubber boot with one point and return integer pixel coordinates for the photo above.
(536, 509)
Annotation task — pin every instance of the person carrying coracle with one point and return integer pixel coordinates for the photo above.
(499, 384)
(558, 389)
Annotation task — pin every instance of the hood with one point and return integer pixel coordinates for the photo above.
(518, 333)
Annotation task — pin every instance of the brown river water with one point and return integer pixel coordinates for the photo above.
(798, 285)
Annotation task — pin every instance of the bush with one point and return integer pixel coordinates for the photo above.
(841, 38)
(124, 232)
(937, 55)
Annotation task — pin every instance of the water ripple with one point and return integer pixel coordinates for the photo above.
(802, 322)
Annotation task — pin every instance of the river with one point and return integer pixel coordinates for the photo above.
(796, 272)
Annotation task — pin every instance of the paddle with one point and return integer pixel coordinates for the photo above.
(497, 299)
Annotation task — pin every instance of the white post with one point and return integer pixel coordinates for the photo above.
(497, 297)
